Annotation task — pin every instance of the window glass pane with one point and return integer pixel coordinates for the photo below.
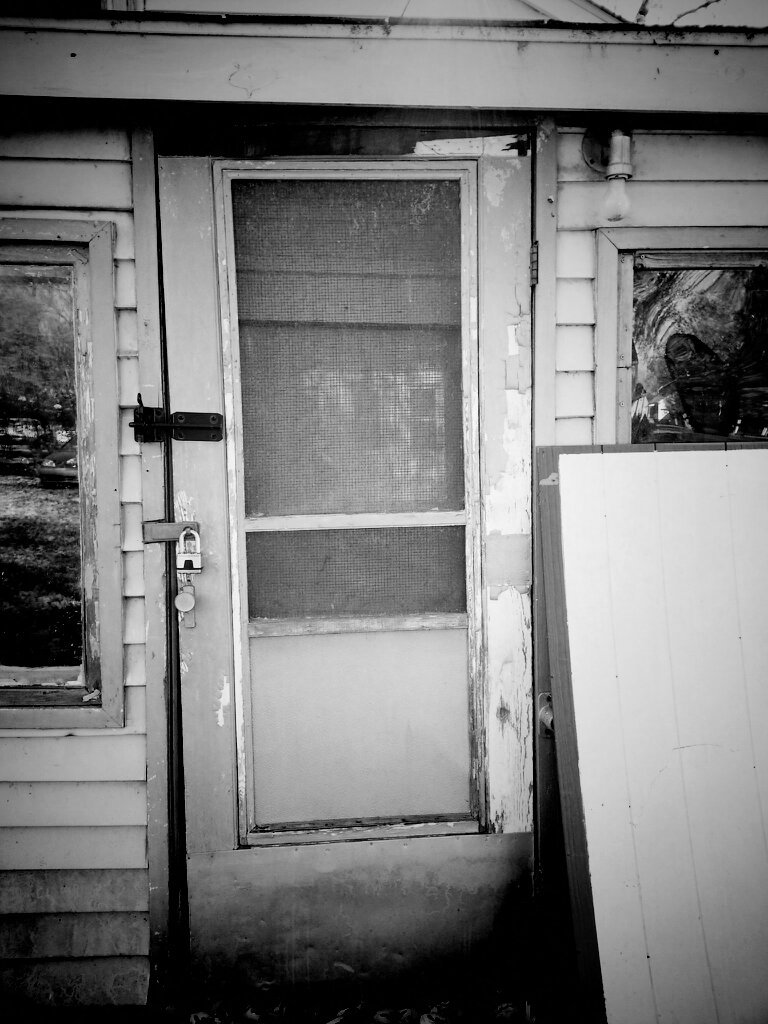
(349, 307)
(700, 354)
(356, 572)
(40, 605)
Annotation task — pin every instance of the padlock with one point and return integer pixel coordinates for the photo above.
(189, 558)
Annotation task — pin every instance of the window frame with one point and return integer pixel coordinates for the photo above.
(465, 173)
(617, 249)
(88, 247)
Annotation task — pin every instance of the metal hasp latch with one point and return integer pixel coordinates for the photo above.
(150, 424)
(189, 561)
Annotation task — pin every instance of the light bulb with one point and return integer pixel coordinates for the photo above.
(616, 202)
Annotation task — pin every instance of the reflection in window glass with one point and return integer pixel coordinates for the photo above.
(700, 354)
(40, 604)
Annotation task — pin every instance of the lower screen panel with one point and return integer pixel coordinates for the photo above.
(356, 572)
(360, 725)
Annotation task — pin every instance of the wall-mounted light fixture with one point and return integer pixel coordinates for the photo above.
(613, 157)
(616, 202)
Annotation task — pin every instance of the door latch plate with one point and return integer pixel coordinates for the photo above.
(151, 424)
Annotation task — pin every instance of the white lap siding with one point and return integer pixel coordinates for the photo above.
(681, 179)
(73, 808)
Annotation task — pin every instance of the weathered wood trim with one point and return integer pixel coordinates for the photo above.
(231, 381)
(302, 62)
(427, 10)
(630, 239)
(613, 324)
(624, 334)
(134, 718)
(380, 829)
(354, 521)
(367, 823)
(368, 624)
(545, 234)
(505, 199)
(606, 339)
(45, 229)
(700, 258)
(106, 416)
(97, 384)
(73, 891)
(189, 267)
(154, 556)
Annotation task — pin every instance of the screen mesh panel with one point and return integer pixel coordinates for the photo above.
(348, 421)
(349, 307)
(356, 572)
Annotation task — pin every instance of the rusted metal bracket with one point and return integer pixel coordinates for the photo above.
(166, 533)
(150, 424)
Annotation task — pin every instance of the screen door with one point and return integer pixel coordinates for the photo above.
(350, 373)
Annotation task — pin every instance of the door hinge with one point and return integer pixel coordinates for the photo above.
(150, 424)
(534, 264)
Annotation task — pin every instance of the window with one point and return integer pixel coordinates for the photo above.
(347, 294)
(685, 324)
(60, 601)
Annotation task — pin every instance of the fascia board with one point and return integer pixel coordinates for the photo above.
(521, 68)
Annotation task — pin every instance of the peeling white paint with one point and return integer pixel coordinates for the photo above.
(510, 682)
(508, 503)
(512, 344)
(491, 145)
(183, 506)
(223, 702)
(495, 181)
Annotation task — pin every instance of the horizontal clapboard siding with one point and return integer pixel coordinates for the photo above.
(86, 847)
(102, 981)
(662, 204)
(67, 144)
(62, 891)
(114, 757)
(681, 179)
(43, 936)
(62, 804)
(674, 156)
(66, 184)
(73, 808)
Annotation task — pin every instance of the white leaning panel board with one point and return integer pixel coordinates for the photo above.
(666, 583)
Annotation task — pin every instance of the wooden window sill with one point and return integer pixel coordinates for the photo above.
(401, 830)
